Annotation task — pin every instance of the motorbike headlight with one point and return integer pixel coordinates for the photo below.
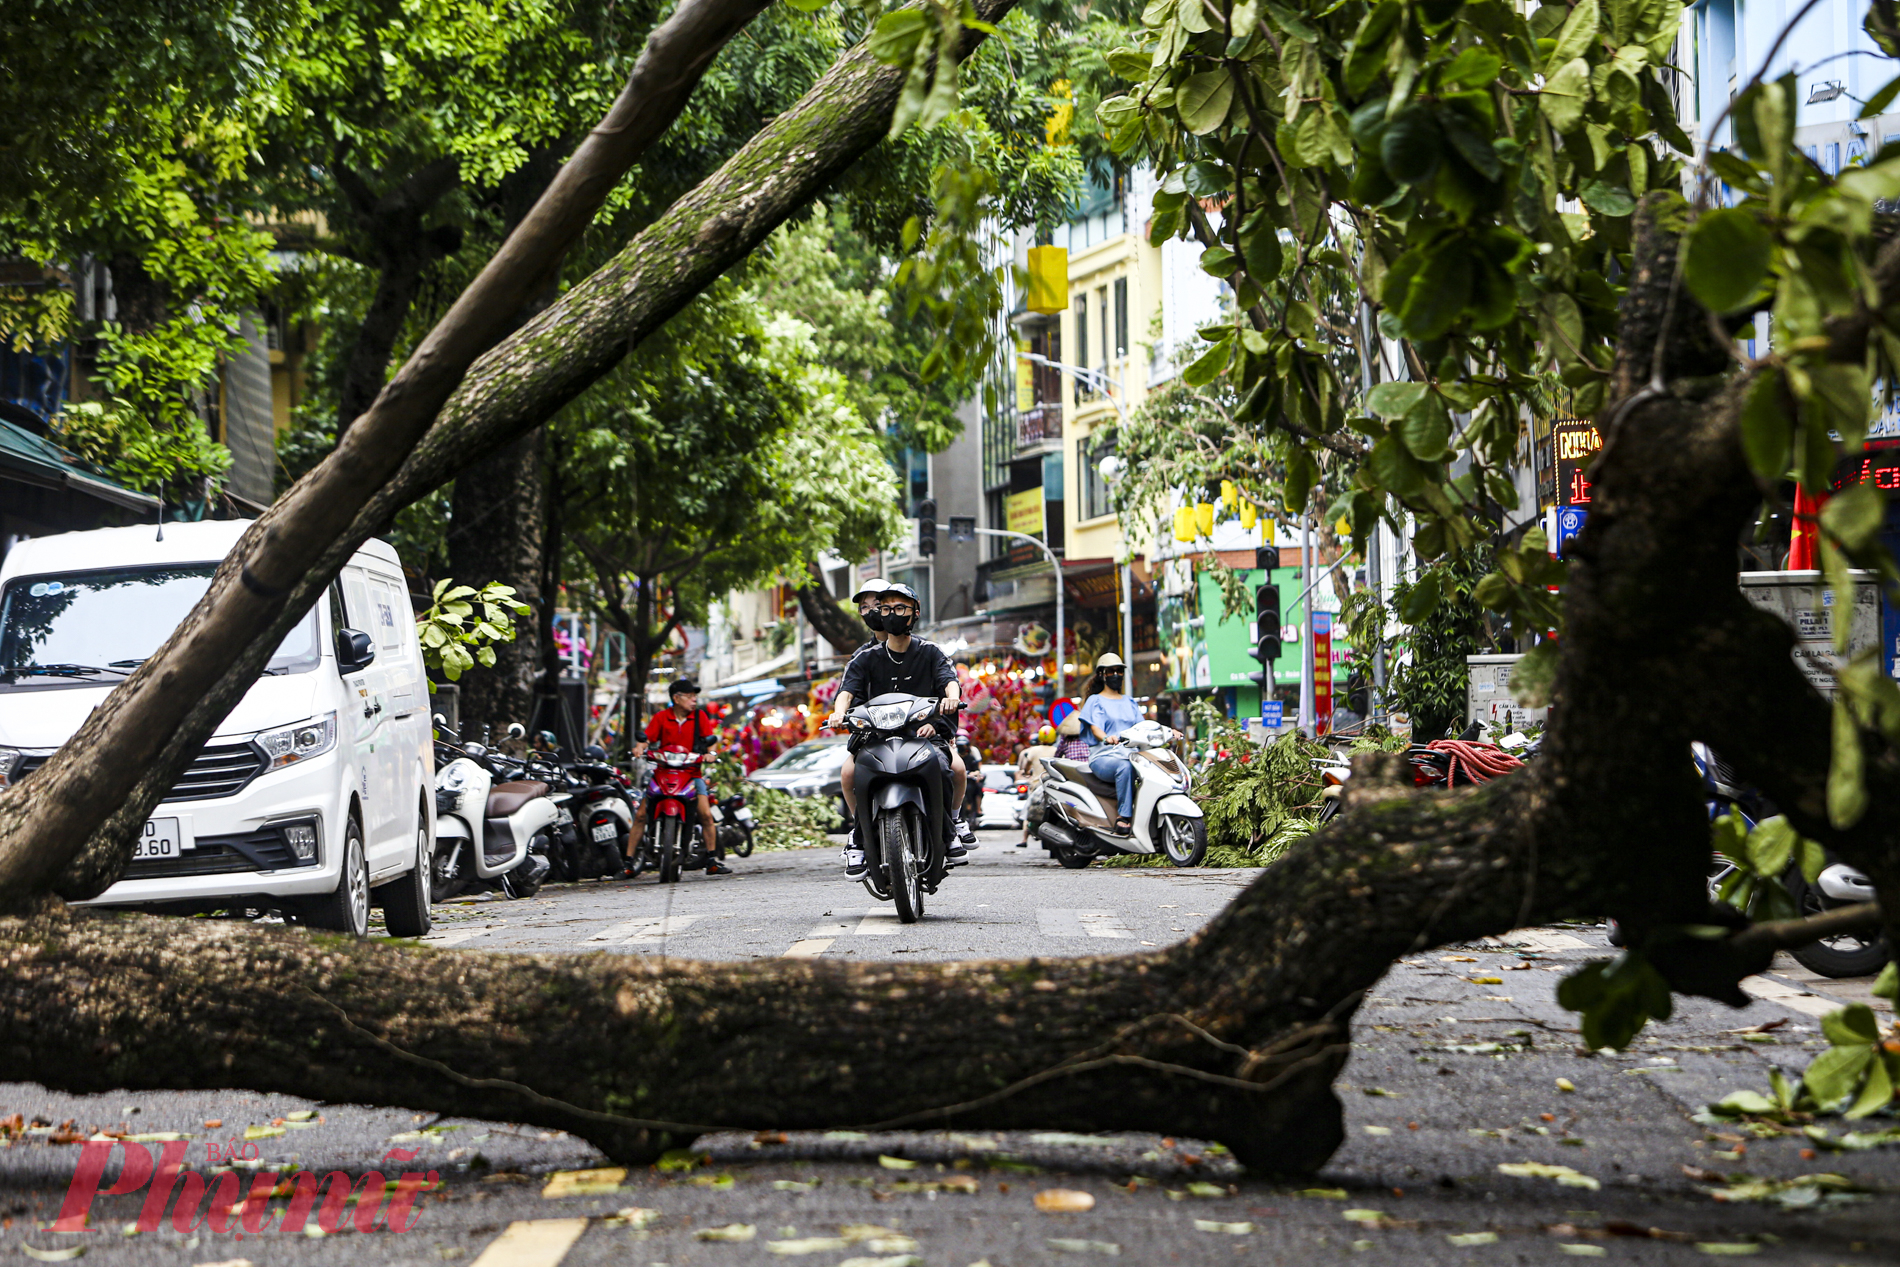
(297, 743)
(455, 776)
(888, 716)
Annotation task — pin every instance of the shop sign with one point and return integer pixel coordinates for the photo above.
(1023, 512)
(1576, 442)
(1033, 640)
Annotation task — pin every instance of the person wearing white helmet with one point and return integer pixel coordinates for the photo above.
(866, 599)
(1106, 714)
(910, 666)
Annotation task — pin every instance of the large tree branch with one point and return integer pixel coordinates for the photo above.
(103, 780)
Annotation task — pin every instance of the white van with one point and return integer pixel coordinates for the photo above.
(314, 792)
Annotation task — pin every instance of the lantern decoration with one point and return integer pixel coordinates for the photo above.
(1249, 513)
(1204, 518)
(1184, 524)
(1048, 279)
(1229, 495)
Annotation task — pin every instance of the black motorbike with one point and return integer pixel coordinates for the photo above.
(901, 791)
(735, 826)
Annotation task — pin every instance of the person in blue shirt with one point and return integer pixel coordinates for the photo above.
(1105, 714)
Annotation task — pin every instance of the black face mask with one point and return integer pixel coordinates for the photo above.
(898, 623)
(1113, 681)
(872, 621)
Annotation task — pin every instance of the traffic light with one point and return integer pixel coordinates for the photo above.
(1266, 615)
(1266, 558)
(927, 527)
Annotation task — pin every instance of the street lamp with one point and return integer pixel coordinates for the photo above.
(1111, 474)
(1055, 563)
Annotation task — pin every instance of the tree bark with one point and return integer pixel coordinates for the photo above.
(834, 622)
(495, 535)
(73, 824)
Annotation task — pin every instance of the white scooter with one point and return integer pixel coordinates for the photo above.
(484, 830)
(1079, 824)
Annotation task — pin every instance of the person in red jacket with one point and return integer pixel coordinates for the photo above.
(685, 727)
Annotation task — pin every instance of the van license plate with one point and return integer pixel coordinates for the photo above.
(161, 839)
(604, 831)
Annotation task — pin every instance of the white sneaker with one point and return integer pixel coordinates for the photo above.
(854, 864)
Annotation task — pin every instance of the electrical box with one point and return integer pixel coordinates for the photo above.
(1806, 604)
(1488, 698)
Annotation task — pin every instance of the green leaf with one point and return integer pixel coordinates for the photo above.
(1205, 368)
(1367, 58)
(1438, 294)
(1410, 147)
(1420, 601)
(1202, 101)
(1395, 400)
(1396, 469)
(1475, 67)
(808, 6)
(1130, 63)
(1565, 94)
(1835, 1074)
(1771, 846)
(1426, 429)
(1578, 33)
(1767, 426)
(1887, 984)
(1846, 790)
(1615, 997)
(1879, 102)
(1855, 515)
(1726, 258)
(1260, 247)
(1607, 198)
(1813, 859)
(1206, 180)
(1854, 1023)
(1875, 1093)
(894, 41)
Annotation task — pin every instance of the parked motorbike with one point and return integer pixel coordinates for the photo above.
(1079, 825)
(901, 789)
(596, 813)
(734, 820)
(491, 829)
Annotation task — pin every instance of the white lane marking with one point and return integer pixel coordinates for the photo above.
(1788, 996)
(1538, 940)
(840, 925)
(449, 939)
(532, 1243)
(879, 924)
(1061, 922)
(810, 948)
(615, 932)
(661, 929)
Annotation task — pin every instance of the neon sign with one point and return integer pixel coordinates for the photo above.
(1575, 442)
(1880, 468)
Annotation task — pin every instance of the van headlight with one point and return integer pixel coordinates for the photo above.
(10, 759)
(297, 743)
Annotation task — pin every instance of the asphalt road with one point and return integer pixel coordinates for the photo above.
(1455, 1074)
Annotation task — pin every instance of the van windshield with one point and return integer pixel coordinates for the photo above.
(99, 626)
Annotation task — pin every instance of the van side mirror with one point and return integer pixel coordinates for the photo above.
(354, 650)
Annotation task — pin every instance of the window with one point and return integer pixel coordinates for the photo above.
(913, 469)
(1101, 306)
(1089, 453)
(1121, 317)
(1082, 392)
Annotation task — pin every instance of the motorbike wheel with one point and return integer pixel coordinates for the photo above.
(900, 861)
(1849, 955)
(1073, 859)
(1184, 839)
(743, 848)
(669, 850)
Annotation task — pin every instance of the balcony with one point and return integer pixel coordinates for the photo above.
(1038, 427)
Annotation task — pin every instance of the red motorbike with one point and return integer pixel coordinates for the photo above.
(672, 842)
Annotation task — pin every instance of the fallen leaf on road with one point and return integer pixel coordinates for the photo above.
(1485, 980)
(1328, 1194)
(262, 1132)
(1378, 1130)
(794, 1185)
(213, 1123)
(1584, 1251)
(712, 1181)
(301, 1115)
(1543, 1170)
(1791, 1194)
(896, 1163)
(900, 1260)
(1457, 959)
(1473, 1238)
(1728, 1247)
(632, 1216)
(1363, 1216)
(54, 1255)
(807, 1245)
(1067, 1246)
(1230, 1229)
(1064, 1201)
(730, 1232)
(584, 1183)
(1379, 1091)
(858, 1233)
(1565, 1084)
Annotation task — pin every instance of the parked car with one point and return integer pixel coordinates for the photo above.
(1002, 806)
(313, 798)
(809, 769)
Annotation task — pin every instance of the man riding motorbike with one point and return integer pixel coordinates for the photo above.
(904, 665)
(685, 727)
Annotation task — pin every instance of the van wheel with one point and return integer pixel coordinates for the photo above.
(347, 909)
(406, 900)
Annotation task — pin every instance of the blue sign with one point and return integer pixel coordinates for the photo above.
(1569, 524)
(1273, 713)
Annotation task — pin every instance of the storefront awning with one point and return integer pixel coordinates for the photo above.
(29, 459)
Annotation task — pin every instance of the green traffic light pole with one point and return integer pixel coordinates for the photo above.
(1057, 565)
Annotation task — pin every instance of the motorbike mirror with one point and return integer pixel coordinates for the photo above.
(516, 730)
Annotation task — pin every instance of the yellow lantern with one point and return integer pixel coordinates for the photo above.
(1229, 495)
(1048, 279)
(1184, 524)
(1204, 518)
(1249, 513)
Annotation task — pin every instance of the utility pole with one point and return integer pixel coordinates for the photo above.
(1055, 563)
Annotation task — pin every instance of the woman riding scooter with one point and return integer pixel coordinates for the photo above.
(1107, 713)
